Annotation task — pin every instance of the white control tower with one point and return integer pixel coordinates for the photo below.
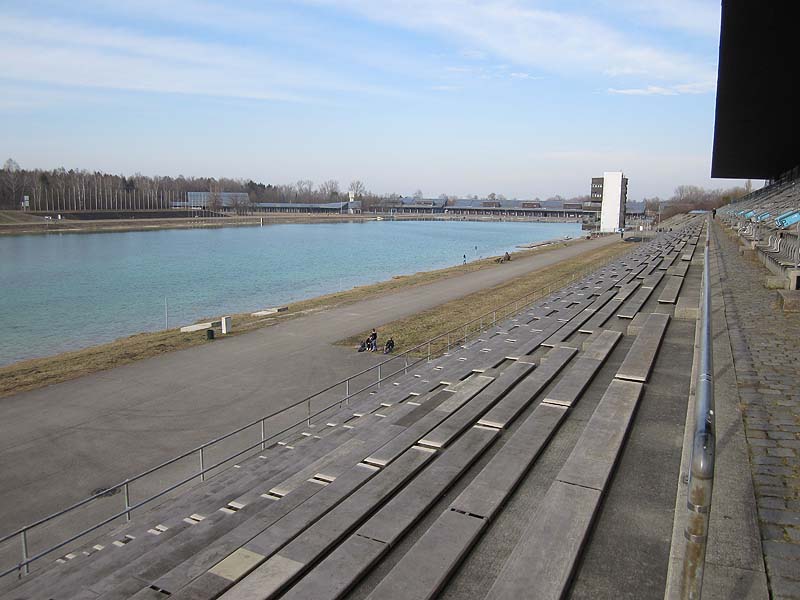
(615, 194)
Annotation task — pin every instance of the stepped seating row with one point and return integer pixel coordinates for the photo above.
(763, 221)
(309, 516)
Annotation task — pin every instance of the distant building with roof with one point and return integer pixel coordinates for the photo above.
(203, 200)
(347, 208)
(231, 200)
(486, 207)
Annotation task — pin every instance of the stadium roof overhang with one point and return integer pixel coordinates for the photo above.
(755, 131)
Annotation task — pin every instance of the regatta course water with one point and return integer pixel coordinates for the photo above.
(66, 291)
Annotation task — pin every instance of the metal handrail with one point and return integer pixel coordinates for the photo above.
(701, 474)
(23, 567)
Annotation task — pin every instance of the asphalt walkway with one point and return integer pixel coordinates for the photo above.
(61, 443)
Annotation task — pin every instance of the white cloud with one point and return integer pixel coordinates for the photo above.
(526, 76)
(74, 54)
(674, 90)
(518, 31)
(697, 17)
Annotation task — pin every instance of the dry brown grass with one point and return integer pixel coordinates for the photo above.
(39, 372)
(417, 329)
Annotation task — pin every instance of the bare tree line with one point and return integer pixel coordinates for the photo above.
(81, 190)
(692, 197)
(76, 190)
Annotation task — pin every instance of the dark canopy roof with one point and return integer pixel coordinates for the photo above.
(755, 133)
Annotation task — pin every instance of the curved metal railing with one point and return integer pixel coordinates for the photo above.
(701, 474)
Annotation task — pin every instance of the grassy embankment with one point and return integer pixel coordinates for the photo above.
(417, 329)
(36, 373)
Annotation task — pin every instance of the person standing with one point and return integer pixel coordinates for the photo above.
(373, 338)
(465, 259)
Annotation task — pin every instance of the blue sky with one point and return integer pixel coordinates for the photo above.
(520, 97)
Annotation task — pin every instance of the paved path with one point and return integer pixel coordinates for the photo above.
(766, 350)
(60, 443)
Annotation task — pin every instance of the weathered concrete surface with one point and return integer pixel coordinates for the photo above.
(766, 355)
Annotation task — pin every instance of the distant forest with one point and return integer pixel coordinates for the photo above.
(81, 189)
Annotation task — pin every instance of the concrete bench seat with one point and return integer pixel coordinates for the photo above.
(596, 322)
(567, 391)
(345, 566)
(678, 269)
(642, 354)
(224, 560)
(518, 399)
(423, 570)
(459, 395)
(541, 564)
(285, 564)
(444, 433)
(669, 295)
(635, 304)
(652, 281)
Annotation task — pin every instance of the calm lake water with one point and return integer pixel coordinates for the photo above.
(66, 291)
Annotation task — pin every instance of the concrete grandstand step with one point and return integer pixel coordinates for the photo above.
(444, 433)
(679, 269)
(567, 391)
(519, 398)
(669, 295)
(651, 281)
(541, 564)
(642, 354)
(635, 303)
(485, 494)
(423, 570)
(627, 289)
(592, 460)
(338, 572)
(228, 559)
(596, 322)
(462, 393)
(280, 569)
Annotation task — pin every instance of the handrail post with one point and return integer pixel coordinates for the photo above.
(405, 369)
(429, 351)
(26, 568)
(465, 334)
(308, 408)
(701, 474)
(347, 390)
(379, 375)
(127, 491)
(263, 434)
(202, 466)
